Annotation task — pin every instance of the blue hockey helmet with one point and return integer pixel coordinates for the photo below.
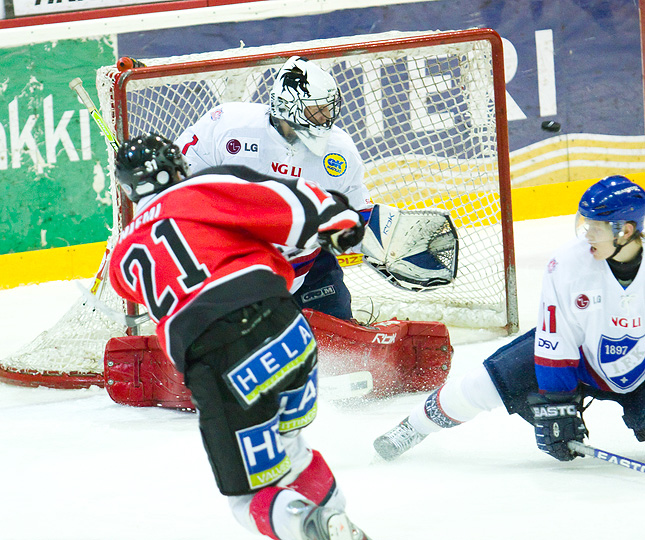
(615, 200)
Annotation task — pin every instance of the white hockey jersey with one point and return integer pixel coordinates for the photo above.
(241, 134)
(590, 329)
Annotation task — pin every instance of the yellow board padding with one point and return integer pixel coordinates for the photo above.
(54, 264)
(83, 261)
(550, 200)
(577, 156)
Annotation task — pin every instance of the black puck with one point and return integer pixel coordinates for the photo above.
(550, 125)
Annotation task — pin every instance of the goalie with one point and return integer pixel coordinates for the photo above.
(414, 250)
(296, 136)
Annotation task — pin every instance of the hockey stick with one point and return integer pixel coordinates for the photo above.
(77, 86)
(347, 386)
(131, 321)
(603, 455)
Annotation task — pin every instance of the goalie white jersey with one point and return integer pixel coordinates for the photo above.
(590, 329)
(241, 134)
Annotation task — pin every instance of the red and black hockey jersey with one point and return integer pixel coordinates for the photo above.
(205, 247)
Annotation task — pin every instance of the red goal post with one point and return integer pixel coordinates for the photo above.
(427, 112)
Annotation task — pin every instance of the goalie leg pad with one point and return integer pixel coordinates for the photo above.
(138, 373)
(402, 356)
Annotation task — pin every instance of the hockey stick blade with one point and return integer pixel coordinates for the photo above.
(347, 386)
(603, 455)
(77, 86)
(131, 321)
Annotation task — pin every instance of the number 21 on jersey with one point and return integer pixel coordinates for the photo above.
(192, 272)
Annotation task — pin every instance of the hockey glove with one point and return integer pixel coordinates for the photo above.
(557, 420)
(338, 241)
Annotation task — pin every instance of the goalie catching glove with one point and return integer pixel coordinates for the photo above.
(344, 228)
(414, 249)
(557, 420)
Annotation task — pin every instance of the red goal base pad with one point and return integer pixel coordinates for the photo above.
(401, 356)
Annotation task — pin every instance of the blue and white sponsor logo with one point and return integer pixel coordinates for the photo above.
(269, 365)
(265, 459)
(299, 406)
(622, 360)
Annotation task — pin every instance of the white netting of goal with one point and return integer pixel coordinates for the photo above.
(423, 116)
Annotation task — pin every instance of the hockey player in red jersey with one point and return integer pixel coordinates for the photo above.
(588, 342)
(295, 135)
(199, 254)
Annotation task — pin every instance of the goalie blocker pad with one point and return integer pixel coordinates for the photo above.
(402, 356)
(414, 249)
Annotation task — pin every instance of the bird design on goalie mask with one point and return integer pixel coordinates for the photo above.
(296, 79)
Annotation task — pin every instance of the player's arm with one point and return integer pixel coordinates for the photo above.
(557, 408)
(289, 213)
(557, 337)
(342, 227)
(197, 144)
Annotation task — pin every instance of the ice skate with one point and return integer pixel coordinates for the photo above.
(320, 523)
(398, 440)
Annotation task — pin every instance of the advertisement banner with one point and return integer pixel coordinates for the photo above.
(54, 185)
(572, 66)
(44, 7)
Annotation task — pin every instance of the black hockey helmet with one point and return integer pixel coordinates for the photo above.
(148, 164)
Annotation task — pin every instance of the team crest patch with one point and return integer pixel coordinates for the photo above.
(335, 164)
(216, 114)
(622, 360)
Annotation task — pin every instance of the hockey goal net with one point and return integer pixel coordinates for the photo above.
(427, 113)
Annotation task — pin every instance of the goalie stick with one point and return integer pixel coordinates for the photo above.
(77, 86)
(603, 455)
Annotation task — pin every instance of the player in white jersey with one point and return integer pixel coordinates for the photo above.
(293, 137)
(589, 340)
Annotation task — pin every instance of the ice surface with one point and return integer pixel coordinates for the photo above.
(77, 466)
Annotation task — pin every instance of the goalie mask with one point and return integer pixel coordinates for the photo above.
(308, 99)
(148, 164)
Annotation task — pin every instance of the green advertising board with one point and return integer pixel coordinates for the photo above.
(54, 184)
